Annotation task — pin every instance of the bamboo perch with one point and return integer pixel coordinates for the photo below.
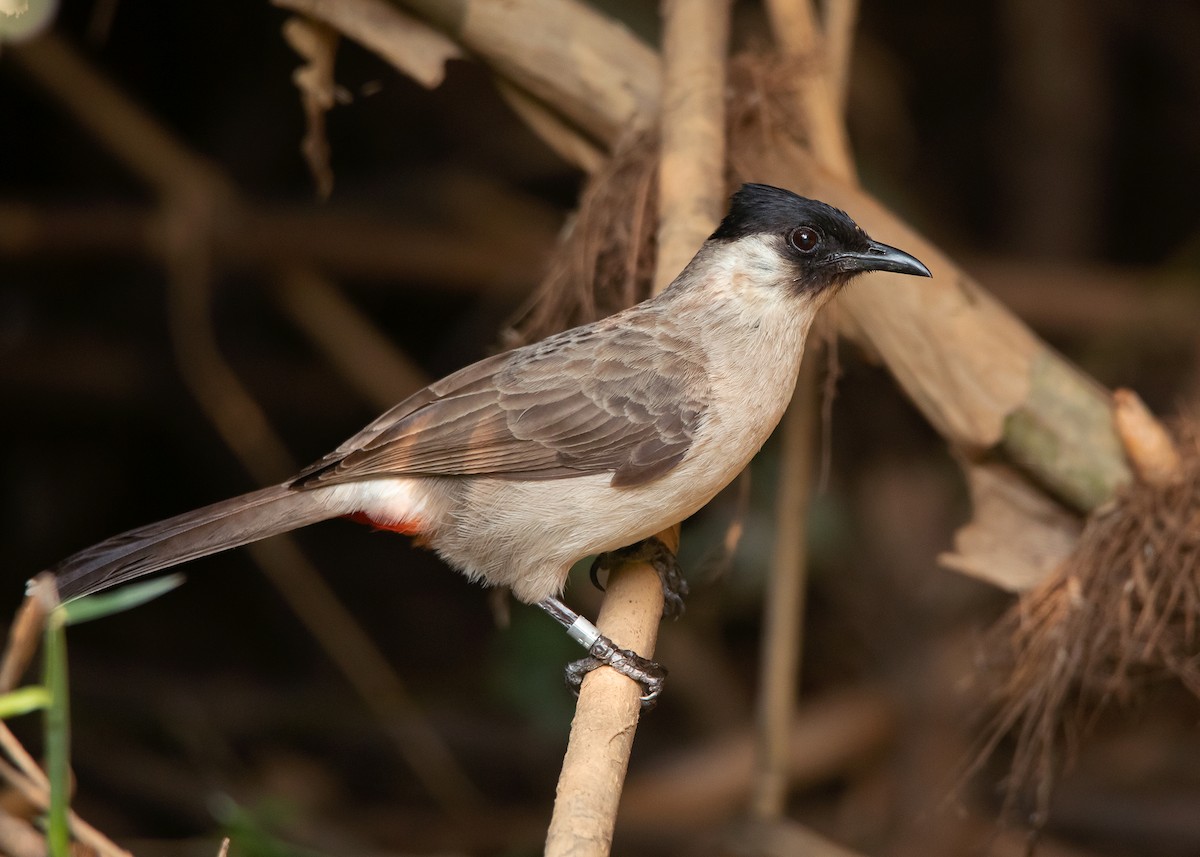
(606, 716)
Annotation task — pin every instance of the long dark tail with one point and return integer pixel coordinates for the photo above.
(228, 524)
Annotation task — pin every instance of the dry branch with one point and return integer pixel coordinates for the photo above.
(605, 722)
(317, 44)
(586, 65)
(981, 377)
(143, 146)
(562, 137)
(407, 43)
(367, 359)
(794, 24)
(38, 794)
(839, 21)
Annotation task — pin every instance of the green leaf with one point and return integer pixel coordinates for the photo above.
(125, 598)
(23, 700)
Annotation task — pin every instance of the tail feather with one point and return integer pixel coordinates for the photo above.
(228, 524)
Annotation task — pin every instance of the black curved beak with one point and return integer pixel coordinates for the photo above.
(882, 257)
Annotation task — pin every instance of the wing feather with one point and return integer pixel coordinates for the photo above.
(626, 402)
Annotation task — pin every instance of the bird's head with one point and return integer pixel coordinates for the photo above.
(811, 246)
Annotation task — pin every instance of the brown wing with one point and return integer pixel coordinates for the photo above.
(562, 407)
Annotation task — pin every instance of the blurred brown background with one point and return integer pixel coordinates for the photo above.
(1050, 146)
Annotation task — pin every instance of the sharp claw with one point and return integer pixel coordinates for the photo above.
(664, 562)
(594, 571)
(648, 674)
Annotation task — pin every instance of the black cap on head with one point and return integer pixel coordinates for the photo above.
(762, 208)
(826, 245)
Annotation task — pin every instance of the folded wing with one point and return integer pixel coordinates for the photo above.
(602, 398)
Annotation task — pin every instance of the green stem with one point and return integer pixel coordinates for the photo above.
(58, 737)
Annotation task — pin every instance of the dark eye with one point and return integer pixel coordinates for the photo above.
(805, 238)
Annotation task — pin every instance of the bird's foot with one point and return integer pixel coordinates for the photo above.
(603, 652)
(661, 559)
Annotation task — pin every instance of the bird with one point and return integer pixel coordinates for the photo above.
(593, 439)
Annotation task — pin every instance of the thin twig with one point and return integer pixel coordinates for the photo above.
(783, 607)
(24, 638)
(19, 838)
(21, 758)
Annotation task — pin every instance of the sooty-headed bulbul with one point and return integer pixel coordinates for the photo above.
(518, 466)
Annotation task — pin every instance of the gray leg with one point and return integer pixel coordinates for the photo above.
(603, 652)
